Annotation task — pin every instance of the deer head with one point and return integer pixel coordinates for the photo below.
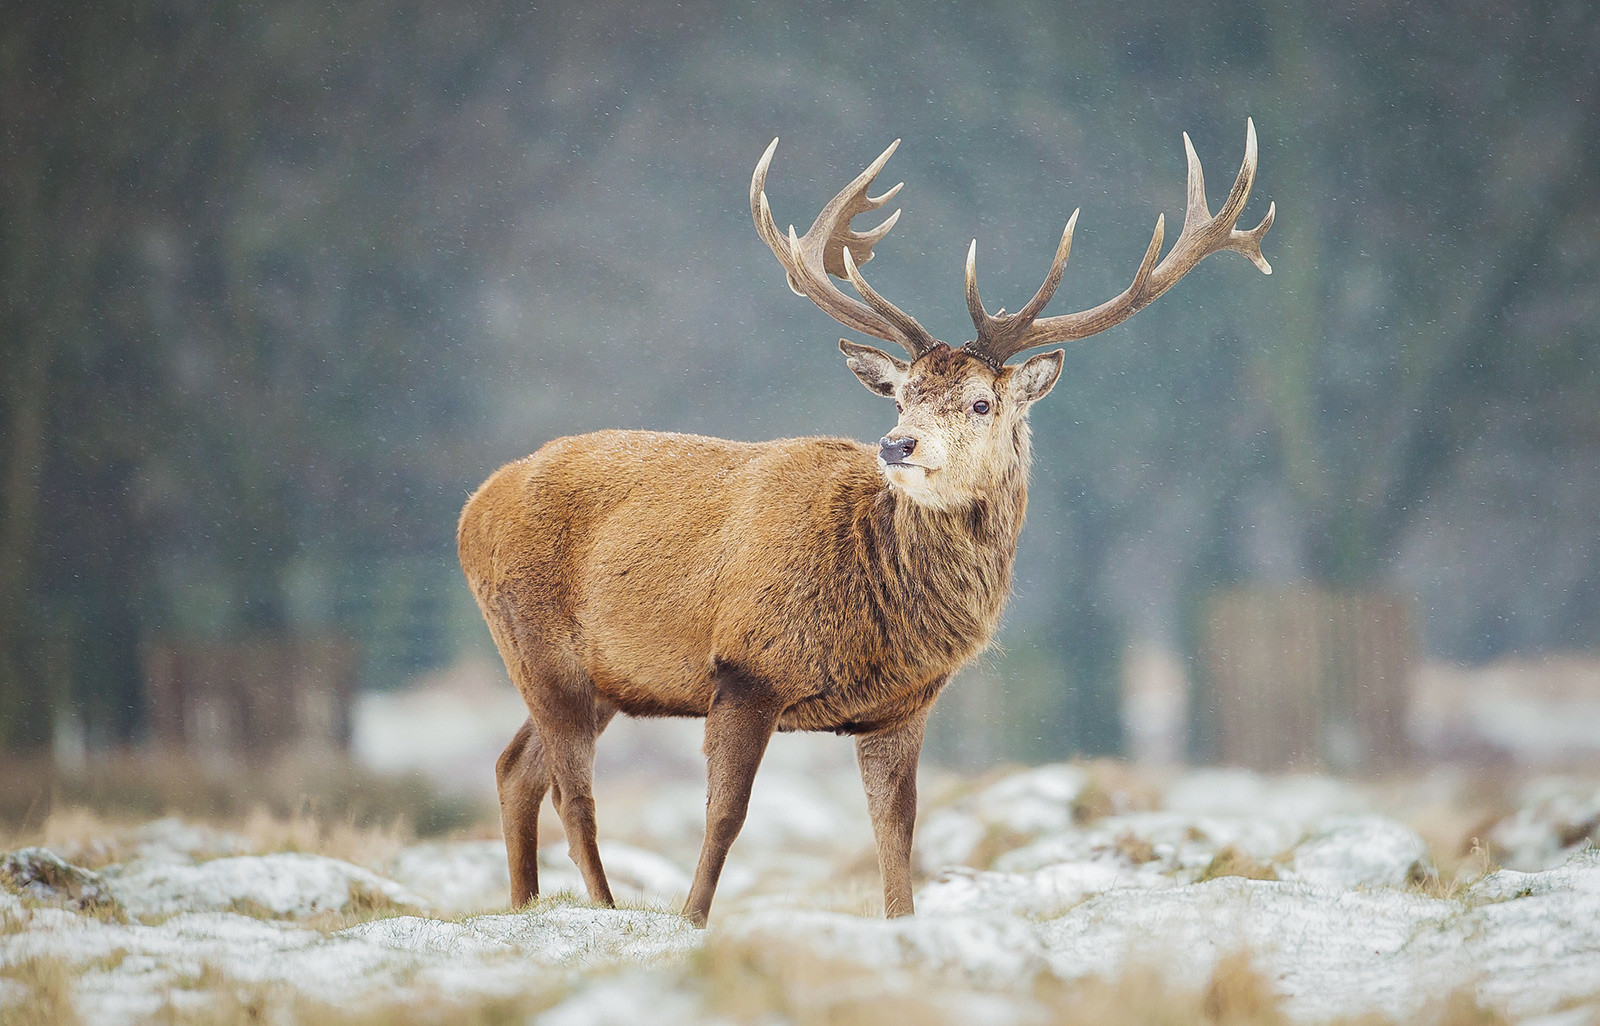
(962, 425)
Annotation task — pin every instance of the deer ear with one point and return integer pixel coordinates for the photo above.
(877, 370)
(1035, 378)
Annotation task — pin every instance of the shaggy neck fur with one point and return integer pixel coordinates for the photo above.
(940, 577)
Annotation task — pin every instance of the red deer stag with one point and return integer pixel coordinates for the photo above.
(801, 584)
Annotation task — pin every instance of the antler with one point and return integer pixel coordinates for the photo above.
(1002, 335)
(831, 246)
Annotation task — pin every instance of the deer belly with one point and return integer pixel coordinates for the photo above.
(859, 710)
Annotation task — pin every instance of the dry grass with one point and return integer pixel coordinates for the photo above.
(763, 982)
(1114, 788)
(1135, 849)
(745, 981)
(369, 845)
(49, 1000)
(498, 1011)
(91, 817)
(91, 840)
(132, 787)
(1449, 884)
(1455, 812)
(1231, 861)
(1235, 995)
(1460, 1008)
(211, 997)
(755, 982)
(997, 840)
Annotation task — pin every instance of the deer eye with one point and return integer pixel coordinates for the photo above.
(980, 406)
(898, 408)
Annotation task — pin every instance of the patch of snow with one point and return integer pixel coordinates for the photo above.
(1042, 893)
(386, 959)
(628, 1000)
(1554, 819)
(287, 884)
(450, 729)
(559, 935)
(1035, 800)
(1330, 954)
(791, 810)
(1021, 805)
(1339, 934)
(170, 839)
(12, 993)
(1169, 842)
(643, 874)
(1538, 935)
(1348, 852)
(455, 876)
(634, 873)
(983, 951)
(948, 837)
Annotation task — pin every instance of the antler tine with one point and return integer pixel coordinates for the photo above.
(885, 309)
(1000, 329)
(1248, 244)
(1000, 338)
(831, 247)
(1058, 267)
(980, 316)
(1196, 209)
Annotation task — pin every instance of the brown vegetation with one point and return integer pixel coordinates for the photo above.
(328, 805)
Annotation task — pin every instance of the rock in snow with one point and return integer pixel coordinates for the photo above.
(43, 876)
(1337, 924)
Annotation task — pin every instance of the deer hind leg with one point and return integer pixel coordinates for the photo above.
(553, 751)
(888, 761)
(744, 713)
(522, 779)
(568, 751)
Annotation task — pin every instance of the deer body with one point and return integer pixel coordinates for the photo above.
(802, 584)
(650, 560)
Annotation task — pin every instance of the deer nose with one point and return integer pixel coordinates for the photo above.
(895, 450)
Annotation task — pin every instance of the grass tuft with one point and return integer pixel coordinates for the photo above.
(1137, 850)
(1231, 861)
(997, 840)
(1238, 995)
(1466, 871)
(364, 905)
(49, 1001)
(1460, 1008)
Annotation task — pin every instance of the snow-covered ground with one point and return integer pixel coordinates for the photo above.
(1038, 881)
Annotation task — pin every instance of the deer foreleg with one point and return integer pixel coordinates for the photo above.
(888, 762)
(743, 715)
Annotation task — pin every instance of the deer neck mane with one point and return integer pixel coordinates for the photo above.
(942, 576)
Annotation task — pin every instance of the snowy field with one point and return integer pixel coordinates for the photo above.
(1062, 893)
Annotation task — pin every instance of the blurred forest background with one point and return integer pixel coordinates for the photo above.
(283, 281)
